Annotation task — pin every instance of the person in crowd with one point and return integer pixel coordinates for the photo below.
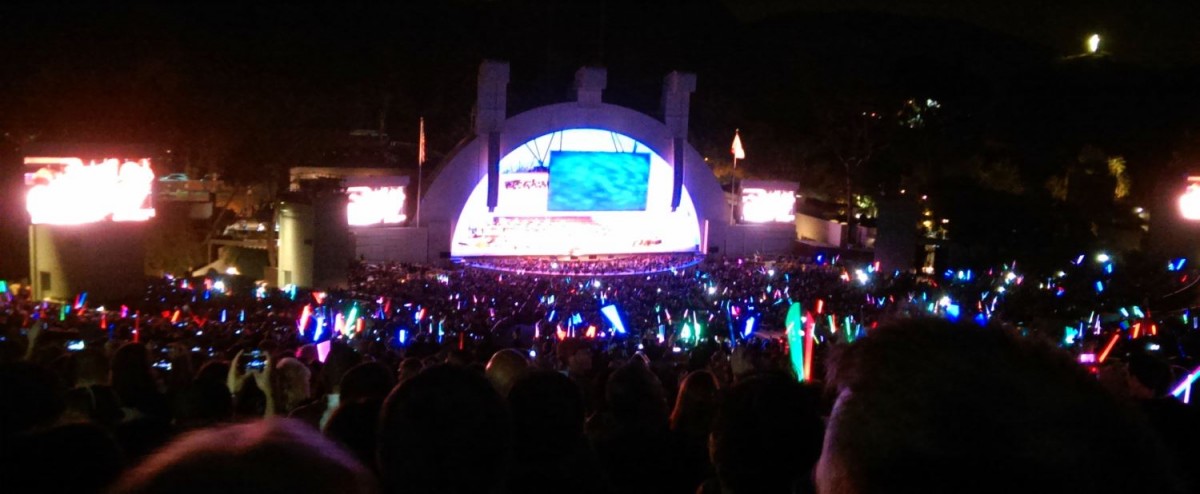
(930, 406)
(30, 398)
(638, 434)
(409, 368)
(691, 423)
(354, 425)
(145, 410)
(135, 385)
(78, 457)
(92, 399)
(444, 431)
(504, 368)
(247, 398)
(1150, 379)
(292, 380)
(340, 360)
(766, 437)
(271, 456)
(550, 449)
(367, 381)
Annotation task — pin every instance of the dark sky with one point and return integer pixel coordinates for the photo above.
(1151, 32)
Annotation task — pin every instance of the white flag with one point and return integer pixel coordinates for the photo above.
(738, 152)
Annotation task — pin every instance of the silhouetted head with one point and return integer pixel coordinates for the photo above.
(409, 368)
(353, 425)
(30, 396)
(131, 377)
(548, 414)
(696, 404)
(445, 430)
(79, 457)
(340, 360)
(767, 435)
(929, 406)
(366, 381)
(504, 368)
(265, 457)
(294, 381)
(637, 400)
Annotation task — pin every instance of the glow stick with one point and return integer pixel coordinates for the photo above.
(320, 326)
(1108, 348)
(304, 316)
(794, 327)
(351, 317)
(810, 327)
(323, 350)
(1186, 384)
(614, 318)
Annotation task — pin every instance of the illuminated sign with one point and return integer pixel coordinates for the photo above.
(65, 191)
(610, 195)
(768, 201)
(1189, 202)
(375, 205)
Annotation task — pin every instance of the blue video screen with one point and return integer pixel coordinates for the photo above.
(598, 181)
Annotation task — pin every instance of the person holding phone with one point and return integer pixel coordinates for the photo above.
(257, 365)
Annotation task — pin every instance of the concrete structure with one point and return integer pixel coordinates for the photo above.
(105, 259)
(315, 244)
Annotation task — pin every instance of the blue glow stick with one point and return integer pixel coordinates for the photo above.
(610, 313)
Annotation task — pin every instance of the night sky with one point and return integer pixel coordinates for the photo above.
(249, 90)
(1159, 33)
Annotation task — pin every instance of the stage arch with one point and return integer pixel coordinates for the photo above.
(457, 192)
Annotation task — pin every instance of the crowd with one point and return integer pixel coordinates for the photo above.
(621, 266)
(473, 380)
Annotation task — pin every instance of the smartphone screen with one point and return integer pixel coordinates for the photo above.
(163, 364)
(254, 360)
(75, 345)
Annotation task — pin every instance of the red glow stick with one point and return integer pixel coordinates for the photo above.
(1108, 348)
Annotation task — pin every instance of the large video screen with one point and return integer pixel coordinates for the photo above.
(768, 201)
(578, 192)
(376, 200)
(67, 191)
(598, 181)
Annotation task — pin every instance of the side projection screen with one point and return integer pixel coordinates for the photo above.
(598, 181)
